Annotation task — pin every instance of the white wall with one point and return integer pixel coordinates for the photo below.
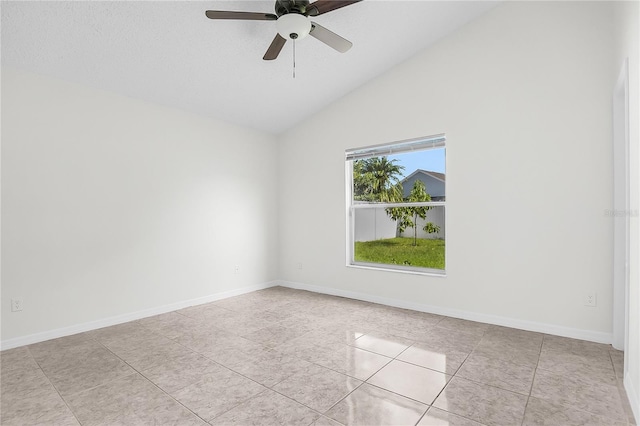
(627, 30)
(524, 97)
(112, 206)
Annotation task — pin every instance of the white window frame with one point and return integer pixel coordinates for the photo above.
(418, 144)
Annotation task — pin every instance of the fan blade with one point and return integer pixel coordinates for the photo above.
(330, 38)
(323, 6)
(247, 16)
(276, 46)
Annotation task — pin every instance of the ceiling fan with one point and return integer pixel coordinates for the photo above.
(293, 23)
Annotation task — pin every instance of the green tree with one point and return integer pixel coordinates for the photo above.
(407, 217)
(377, 179)
(362, 185)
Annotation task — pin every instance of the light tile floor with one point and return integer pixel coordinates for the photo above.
(288, 357)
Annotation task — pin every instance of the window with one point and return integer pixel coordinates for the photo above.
(396, 205)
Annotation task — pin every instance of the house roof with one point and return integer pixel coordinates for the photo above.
(436, 175)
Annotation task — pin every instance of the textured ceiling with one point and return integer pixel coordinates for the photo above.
(168, 52)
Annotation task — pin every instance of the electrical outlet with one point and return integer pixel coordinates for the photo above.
(590, 299)
(237, 269)
(17, 304)
(299, 265)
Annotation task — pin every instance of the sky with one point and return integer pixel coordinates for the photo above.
(432, 160)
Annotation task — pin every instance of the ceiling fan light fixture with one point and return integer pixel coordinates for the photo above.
(293, 26)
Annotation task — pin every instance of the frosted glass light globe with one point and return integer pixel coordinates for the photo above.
(293, 26)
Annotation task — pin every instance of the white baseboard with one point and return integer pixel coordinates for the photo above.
(119, 319)
(634, 397)
(593, 336)
(575, 333)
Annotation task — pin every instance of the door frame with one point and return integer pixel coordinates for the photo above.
(621, 210)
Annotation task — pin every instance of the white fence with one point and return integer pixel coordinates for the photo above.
(374, 224)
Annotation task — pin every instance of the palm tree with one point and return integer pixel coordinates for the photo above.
(377, 179)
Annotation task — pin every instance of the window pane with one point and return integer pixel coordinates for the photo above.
(427, 167)
(415, 238)
(412, 176)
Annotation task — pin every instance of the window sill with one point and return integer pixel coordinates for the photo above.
(403, 270)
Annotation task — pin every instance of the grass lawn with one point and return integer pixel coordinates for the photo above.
(401, 251)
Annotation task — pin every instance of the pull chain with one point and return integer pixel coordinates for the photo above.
(294, 58)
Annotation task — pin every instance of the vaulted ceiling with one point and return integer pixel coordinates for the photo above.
(169, 53)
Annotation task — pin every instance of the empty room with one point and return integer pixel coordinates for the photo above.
(321, 212)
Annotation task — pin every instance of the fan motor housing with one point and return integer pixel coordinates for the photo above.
(284, 7)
